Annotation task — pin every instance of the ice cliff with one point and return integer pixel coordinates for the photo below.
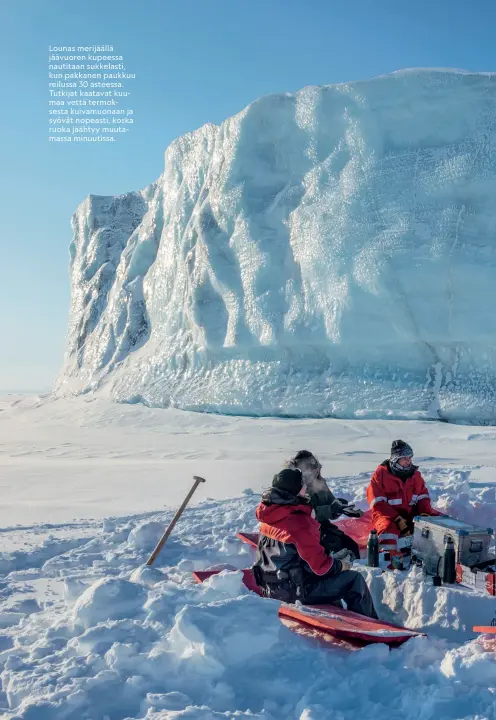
(327, 252)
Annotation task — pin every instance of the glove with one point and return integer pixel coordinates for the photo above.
(325, 505)
(349, 509)
(344, 554)
(345, 565)
(352, 511)
(402, 526)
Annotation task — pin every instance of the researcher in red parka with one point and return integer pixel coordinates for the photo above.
(291, 563)
(396, 494)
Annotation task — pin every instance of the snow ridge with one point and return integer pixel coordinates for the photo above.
(324, 253)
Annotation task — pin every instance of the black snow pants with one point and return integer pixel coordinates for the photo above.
(349, 586)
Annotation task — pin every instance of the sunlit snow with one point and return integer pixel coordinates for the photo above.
(327, 252)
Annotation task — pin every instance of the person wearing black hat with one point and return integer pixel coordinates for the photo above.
(396, 494)
(326, 507)
(291, 563)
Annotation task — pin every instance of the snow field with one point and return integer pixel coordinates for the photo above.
(120, 640)
(80, 458)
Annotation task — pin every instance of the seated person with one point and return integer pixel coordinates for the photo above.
(327, 507)
(291, 563)
(396, 494)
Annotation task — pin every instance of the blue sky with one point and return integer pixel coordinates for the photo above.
(196, 61)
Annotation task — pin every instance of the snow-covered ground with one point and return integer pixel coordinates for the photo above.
(87, 634)
(83, 457)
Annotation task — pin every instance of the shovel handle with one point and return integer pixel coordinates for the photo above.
(174, 520)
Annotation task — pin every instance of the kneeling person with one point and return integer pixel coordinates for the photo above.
(291, 563)
(396, 494)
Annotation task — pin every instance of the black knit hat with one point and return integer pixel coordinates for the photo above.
(399, 448)
(289, 480)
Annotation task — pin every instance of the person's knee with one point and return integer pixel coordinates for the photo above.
(358, 582)
(353, 578)
(388, 537)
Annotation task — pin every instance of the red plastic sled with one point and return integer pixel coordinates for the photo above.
(328, 622)
(484, 629)
(357, 528)
(248, 538)
(346, 625)
(487, 640)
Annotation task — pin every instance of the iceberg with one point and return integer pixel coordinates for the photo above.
(329, 252)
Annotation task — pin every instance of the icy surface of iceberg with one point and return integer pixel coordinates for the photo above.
(330, 252)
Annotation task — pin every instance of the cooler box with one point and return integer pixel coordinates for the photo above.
(472, 543)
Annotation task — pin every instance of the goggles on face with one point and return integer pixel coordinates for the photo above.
(396, 458)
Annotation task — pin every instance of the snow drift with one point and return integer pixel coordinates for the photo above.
(117, 640)
(329, 252)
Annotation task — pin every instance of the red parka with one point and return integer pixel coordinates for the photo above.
(390, 496)
(294, 525)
